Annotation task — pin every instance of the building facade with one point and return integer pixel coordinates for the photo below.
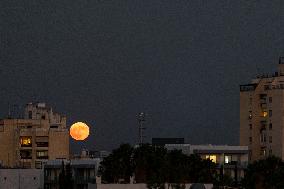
(233, 159)
(83, 171)
(21, 178)
(262, 115)
(39, 136)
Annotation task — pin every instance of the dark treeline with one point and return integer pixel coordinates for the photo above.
(157, 166)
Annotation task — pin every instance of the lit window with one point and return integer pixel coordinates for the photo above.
(26, 141)
(228, 159)
(212, 158)
(42, 154)
(264, 113)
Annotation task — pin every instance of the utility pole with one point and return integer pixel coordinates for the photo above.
(141, 119)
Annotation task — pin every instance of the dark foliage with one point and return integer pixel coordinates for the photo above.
(155, 166)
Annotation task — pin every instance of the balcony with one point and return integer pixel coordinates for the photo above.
(84, 180)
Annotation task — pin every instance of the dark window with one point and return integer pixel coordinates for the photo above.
(270, 99)
(42, 141)
(53, 126)
(250, 140)
(29, 126)
(270, 139)
(250, 126)
(250, 114)
(270, 126)
(26, 154)
(43, 117)
(270, 113)
(30, 114)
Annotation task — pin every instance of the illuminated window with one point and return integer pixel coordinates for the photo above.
(42, 154)
(26, 141)
(228, 159)
(212, 158)
(264, 113)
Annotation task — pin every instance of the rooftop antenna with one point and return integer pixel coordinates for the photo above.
(141, 119)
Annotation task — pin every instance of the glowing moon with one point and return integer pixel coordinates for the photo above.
(79, 131)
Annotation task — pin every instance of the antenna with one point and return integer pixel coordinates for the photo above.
(141, 119)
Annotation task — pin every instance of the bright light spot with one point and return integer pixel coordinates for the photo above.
(79, 131)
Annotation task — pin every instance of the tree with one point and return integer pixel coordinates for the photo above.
(268, 174)
(65, 177)
(118, 166)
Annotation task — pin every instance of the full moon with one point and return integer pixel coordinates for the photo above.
(79, 131)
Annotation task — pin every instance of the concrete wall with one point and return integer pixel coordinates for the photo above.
(133, 186)
(21, 179)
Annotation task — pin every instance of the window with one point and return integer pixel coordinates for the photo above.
(212, 158)
(250, 114)
(263, 152)
(264, 113)
(270, 126)
(26, 141)
(1, 128)
(54, 126)
(263, 137)
(250, 126)
(228, 159)
(270, 152)
(270, 100)
(42, 154)
(26, 154)
(270, 113)
(30, 114)
(42, 141)
(250, 140)
(270, 139)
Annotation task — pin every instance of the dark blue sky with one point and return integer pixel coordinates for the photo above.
(103, 61)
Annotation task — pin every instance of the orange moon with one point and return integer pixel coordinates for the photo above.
(79, 131)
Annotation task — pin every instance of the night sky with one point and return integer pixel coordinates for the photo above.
(103, 61)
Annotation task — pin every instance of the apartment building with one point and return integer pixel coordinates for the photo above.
(262, 115)
(39, 136)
